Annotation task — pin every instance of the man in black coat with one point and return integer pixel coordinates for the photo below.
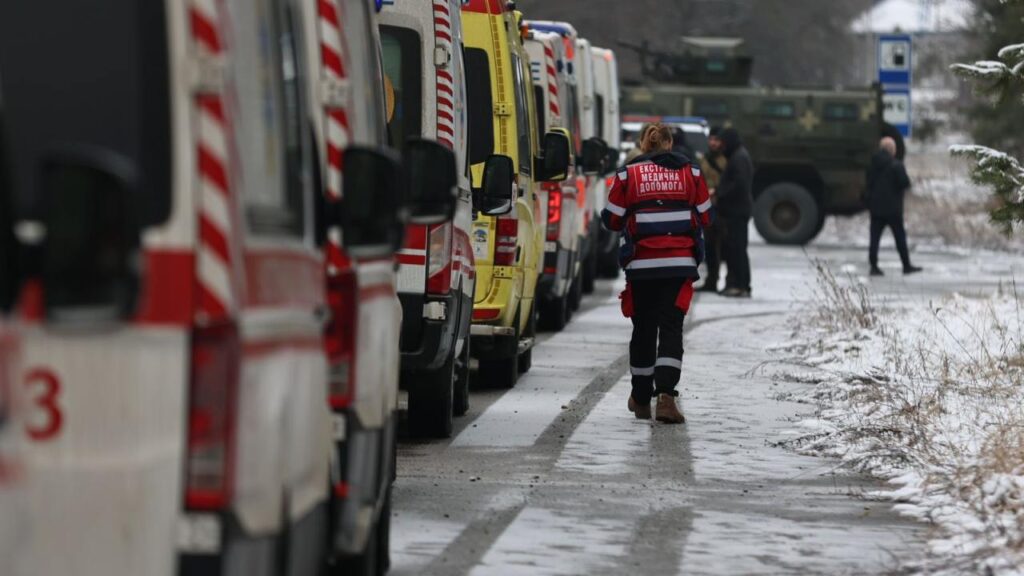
(735, 207)
(887, 185)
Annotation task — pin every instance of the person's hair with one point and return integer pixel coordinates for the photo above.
(656, 138)
(889, 145)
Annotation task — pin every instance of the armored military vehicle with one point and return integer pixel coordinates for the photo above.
(811, 147)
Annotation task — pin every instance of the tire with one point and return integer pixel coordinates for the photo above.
(430, 402)
(526, 358)
(554, 314)
(365, 564)
(610, 268)
(576, 294)
(501, 373)
(384, 537)
(590, 270)
(460, 397)
(787, 213)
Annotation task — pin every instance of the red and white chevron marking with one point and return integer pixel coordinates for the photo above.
(214, 254)
(334, 69)
(549, 57)
(445, 81)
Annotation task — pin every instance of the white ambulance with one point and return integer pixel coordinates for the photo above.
(554, 91)
(174, 356)
(591, 150)
(12, 485)
(606, 104)
(362, 338)
(426, 82)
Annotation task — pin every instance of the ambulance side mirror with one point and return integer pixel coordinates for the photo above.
(498, 193)
(432, 181)
(90, 244)
(611, 162)
(373, 209)
(593, 158)
(554, 165)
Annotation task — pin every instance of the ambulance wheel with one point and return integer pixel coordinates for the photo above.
(554, 314)
(461, 395)
(526, 358)
(576, 294)
(430, 402)
(502, 373)
(590, 270)
(787, 213)
(384, 537)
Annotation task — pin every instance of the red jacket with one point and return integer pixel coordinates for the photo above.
(660, 202)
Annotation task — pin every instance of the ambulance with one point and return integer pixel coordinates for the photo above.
(426, 81)
(362, 336)
(12, 481)
(582, 69)
(509, 162)
(174, 348)
(606, 104)
(554, 91)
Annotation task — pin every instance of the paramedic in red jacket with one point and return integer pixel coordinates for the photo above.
(660, 203)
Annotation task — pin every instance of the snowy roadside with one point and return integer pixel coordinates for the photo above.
(930, 398)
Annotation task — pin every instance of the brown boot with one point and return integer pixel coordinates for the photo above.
(668, 411)
(641, 411)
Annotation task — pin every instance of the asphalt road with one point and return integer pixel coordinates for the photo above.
(556, 477)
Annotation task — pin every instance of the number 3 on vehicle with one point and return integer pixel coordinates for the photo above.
(45, 417)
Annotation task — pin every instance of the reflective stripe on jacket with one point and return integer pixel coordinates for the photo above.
(660, 203)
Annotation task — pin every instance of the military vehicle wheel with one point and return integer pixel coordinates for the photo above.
(787, 213)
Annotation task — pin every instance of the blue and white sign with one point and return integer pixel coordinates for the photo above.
(895, 74)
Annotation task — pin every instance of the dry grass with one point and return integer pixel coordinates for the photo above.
(937, 394)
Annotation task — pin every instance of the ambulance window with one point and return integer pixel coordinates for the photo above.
(522, 117)
(95, 78)
(542, 111)
(278, 207)
(480, 101)
(841, 112)
(364, 67)
(402, 83)
(778, 110)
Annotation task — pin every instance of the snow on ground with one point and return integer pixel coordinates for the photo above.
(928, 396)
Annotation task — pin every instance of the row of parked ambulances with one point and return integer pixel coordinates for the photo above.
(231, 230)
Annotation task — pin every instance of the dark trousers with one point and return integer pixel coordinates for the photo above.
(713, 252)
(734, 244)
(878, 225)
(656, 350)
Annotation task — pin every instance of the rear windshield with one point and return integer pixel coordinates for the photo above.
(97, 78)
(402, 83)
(480, 101)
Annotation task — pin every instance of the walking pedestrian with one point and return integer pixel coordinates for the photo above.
(887, 185)
(659, 201)
(713, 165)
(735, 206)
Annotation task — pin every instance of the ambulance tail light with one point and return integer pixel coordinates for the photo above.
(439, 259)
(505, 244)
(340, 337)
(213, 397)
(554, 190)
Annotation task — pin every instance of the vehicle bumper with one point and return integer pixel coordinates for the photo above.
(217, 545)
(494, 342)
(430, 328)
(365, 469)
